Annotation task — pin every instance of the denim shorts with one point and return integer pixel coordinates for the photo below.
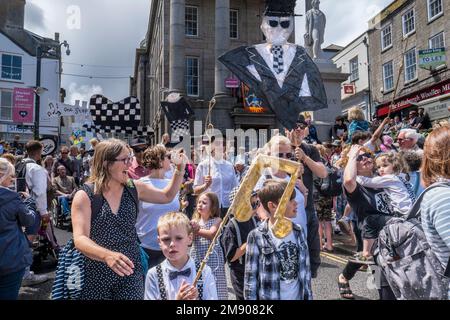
(34, 228)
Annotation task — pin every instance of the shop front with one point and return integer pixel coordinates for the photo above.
(434, 99)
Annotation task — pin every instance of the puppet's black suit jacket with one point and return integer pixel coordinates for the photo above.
(285, 102)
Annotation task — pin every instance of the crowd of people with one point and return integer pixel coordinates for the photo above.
(159, 210)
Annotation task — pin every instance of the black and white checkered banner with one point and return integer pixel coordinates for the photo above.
(116, 117)
(139, 131)
(178, 112)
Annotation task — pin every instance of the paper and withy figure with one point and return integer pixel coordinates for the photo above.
(116, 117)
(280, 71)
(178, 111)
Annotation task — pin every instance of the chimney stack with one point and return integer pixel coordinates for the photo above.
(12, 14)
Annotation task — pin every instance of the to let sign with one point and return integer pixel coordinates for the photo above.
(431, 58)
(232, 83)
(23, 105)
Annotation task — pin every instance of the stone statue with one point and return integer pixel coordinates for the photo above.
(315, 30)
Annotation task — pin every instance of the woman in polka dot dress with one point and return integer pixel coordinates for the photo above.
(113, 269)
(206, 222)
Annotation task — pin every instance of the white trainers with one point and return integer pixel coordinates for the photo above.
(33, 279)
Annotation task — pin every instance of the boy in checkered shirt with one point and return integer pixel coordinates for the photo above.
(277, 269)
(173, 278)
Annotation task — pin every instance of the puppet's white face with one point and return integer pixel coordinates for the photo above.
(277, 30)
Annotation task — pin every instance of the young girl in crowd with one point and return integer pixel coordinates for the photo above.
(357, 122)
(206, 222)
(391, 178)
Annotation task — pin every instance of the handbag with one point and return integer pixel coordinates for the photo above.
(69, 277)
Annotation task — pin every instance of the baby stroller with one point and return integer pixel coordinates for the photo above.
(45, 245)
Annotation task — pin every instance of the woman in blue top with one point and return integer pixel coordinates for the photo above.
(15, 252)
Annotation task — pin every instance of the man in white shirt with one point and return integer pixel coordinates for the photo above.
(36, 178)
(214, 174)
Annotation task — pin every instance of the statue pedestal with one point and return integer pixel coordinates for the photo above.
(332, 79)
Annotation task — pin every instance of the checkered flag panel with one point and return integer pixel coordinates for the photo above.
(106, 113)
(116, 117)
(129, 131)
(277, 52)
(179, 128)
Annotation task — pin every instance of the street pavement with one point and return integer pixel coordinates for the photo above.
(324, 286)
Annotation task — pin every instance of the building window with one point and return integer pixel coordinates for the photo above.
(386, 37)
(437, 41)
(11, 67)
(409, 25)
(6, 102)
(388, 76)
(191, 21)
(234, 24)
(354, 69)
(192, 76)
(434, 9)
(410, 65)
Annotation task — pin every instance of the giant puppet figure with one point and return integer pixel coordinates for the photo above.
(277, 70)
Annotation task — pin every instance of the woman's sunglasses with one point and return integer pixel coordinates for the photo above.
(287, 155)
(364, 155)
(283, 24)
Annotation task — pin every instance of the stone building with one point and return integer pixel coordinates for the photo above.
(354, 60)
(398, 35)
(179, 54)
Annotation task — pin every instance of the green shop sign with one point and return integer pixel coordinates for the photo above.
(432, 58)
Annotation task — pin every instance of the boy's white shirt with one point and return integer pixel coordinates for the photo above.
(400, 199)
(172, 287)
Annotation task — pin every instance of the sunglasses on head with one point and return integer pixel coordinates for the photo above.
(284, 155)
(364, 155)
(255, 204)
(283, 24)
(138, 149)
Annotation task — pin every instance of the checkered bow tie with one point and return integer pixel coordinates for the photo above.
(277, 52)
(174, 274)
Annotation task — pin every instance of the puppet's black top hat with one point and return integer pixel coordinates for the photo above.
(280, 8)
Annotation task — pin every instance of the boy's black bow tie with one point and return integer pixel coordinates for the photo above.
(174, 274)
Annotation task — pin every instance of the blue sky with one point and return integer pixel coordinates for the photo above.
(104, 34)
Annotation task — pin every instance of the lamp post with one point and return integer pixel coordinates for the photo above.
(37, 98)
(50, 50)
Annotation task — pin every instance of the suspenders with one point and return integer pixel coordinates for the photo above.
(162, 287)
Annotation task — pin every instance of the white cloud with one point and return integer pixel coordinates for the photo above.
(35, 18)
(82, 92)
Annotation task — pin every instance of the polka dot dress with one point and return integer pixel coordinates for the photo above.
(115, 232)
